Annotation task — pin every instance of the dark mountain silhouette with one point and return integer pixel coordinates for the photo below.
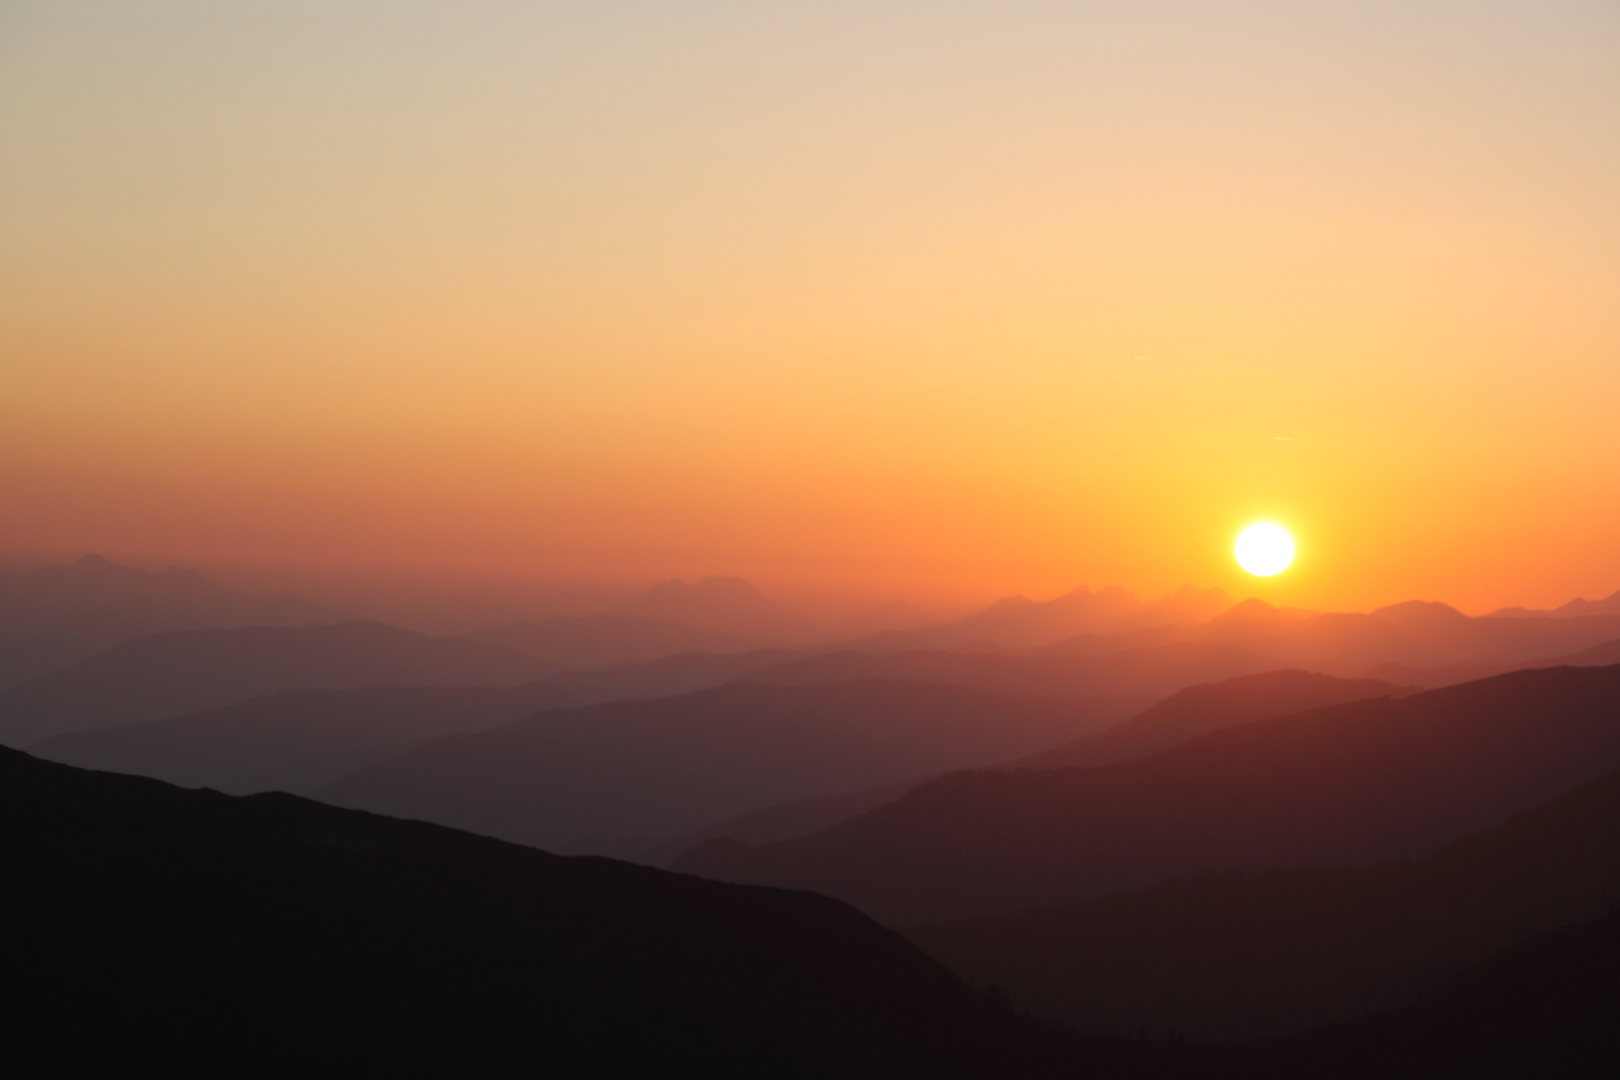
(1185, 715)
(725, 605)
(782, 821)
(599, 641)
(177, 674)
(1018, 622)
(1355, 784)
(297, 740)
(1243, 955)
(1545, 1008)
(156, 931)
(619, 774)
(172, 932)
(1144, 673)
(1201, 709)
(57, 615)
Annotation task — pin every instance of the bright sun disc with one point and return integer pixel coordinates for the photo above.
(1264, 550)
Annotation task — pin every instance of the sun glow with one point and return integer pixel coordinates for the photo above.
(1264, 550)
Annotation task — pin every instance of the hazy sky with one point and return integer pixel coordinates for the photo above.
(936, 300)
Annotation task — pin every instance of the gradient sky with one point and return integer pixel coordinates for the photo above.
(940, 300)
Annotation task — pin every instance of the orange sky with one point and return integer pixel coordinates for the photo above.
(941, 301)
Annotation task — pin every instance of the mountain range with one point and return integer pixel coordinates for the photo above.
(1577, 608)
(1273, 951)
(297, 740)
(1416, 635)
(167, 675)
(167, 932)
(1018, 622)
(1186, 714)
(178, 932)
(1207, 707)
(1357, 783)
(616, 777)
(57, 615)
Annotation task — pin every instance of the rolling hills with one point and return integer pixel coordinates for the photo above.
(167, 932)
(1357, 783)
(1242, 955)
(297, 740)
(53, 616)
(1207, 707)
(621, 774)
(187, 672)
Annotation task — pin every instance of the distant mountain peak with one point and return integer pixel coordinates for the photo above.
(1575, 609)
(93, 603)
(1420, 612)
(728, 604)
(1018, 622)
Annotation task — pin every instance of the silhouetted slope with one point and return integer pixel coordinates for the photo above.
(1547, 1008)
(722, 604)
(1356, 783)
(782, 821)
(1602, 655)
(597, 641)
(640, 770)
(1242, 955)
(1184, 715)
(57, 615)
(296, 740)
(176, 674)
(155, 931)
(1143, 673)
(1199, 710)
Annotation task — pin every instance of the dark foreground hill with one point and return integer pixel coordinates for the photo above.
(176, 674)
(159, 932)
(1242, 955)
(1208, 707)
(153, 931)
(298, 740)
(1352, 784)
(1547, 1008)
(609, 778)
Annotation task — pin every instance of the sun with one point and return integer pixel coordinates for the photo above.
(1264, 550)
